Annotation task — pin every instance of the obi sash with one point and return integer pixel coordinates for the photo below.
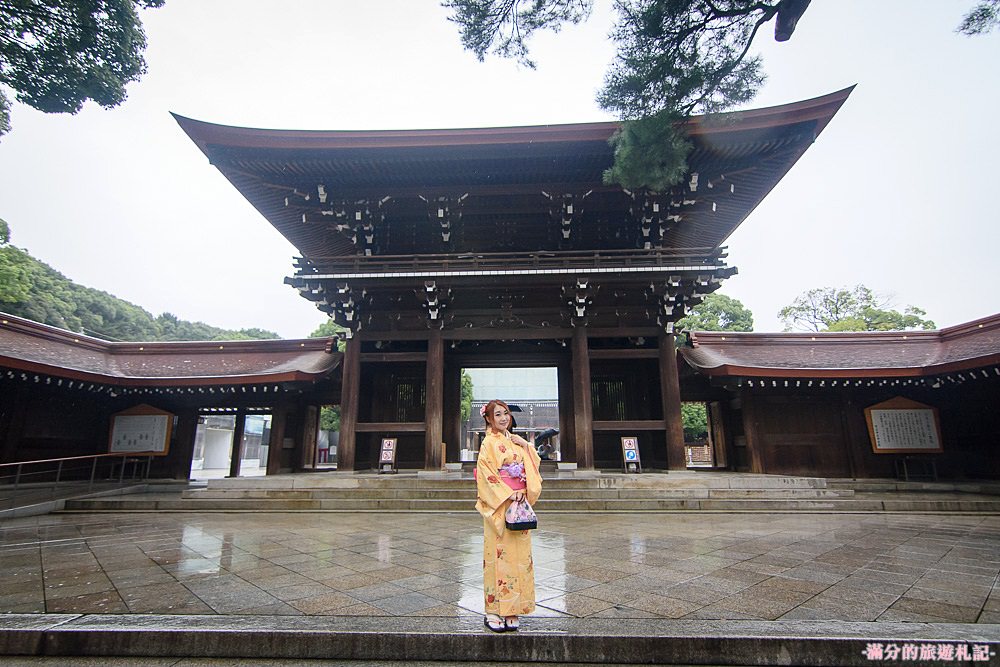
(515, 483)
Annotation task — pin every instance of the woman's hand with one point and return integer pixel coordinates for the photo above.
(518, 496)
(518, 440)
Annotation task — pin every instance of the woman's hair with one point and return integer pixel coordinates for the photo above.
(488, 413)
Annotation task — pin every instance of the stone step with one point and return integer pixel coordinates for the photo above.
(463, 640)
(591, 480)
(856, 504)
(893, 485)
(468, 493)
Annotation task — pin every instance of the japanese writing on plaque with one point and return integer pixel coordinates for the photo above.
(905, 429)
(139, 433)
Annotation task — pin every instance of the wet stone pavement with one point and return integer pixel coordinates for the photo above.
(857, 567)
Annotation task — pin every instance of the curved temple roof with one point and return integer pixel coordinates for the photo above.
(39, 348)
(974, 345)
(749, 150)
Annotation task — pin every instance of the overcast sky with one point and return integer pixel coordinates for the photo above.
(898, 193)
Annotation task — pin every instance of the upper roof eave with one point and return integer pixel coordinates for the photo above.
(820, 109)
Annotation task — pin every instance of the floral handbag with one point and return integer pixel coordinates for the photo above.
(520, 516)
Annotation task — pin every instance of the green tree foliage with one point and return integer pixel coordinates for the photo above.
(466, 396)
(718, 312)
(981, 19)
(327, 329)
(675, 58)
(329, 415)
(694, 416)
(34, 290)
(856, 309)
(330, 329)
(57, 54)
(502, 26)
(329, 418)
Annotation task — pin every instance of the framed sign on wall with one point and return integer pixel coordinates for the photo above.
(142, 429)
(903, 426)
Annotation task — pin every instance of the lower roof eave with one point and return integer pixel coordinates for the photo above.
(166, 381)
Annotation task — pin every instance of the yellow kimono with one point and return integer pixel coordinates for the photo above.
(508, 571)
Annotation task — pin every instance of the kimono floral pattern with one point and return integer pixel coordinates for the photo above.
(508, 569)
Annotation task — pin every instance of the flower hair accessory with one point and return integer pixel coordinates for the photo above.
(482, 411)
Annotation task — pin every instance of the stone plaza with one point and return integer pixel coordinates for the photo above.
(420, 572)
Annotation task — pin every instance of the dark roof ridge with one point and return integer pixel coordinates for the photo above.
(967, 346)
(988, 322)
(809, 338)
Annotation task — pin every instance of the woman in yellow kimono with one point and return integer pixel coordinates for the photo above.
(505, 461)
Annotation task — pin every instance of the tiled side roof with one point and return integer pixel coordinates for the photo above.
(975, 344)
(39, 348)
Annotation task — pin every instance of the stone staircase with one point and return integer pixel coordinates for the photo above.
(563, 492)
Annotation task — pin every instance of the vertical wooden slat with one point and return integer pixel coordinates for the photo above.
(670, 390)
(12, 418)
(582, 406)
(433, 412)
(349, 399)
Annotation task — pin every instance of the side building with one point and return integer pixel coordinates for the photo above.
(795, 403)
(59, 391)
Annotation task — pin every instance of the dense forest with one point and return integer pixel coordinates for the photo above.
(34, 290)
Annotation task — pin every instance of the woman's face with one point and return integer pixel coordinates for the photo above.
(501, 418)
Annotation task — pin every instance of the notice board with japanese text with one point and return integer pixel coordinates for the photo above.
(903, 426)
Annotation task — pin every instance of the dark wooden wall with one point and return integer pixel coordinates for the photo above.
(823, 431)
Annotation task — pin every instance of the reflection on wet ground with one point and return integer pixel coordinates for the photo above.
(861, 567)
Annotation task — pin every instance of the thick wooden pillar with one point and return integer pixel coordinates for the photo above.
(434, 403)
(582, 405)
(567, 426)
(453, 411)
(670, 391)
(182, 449)
(236, 450)
(276, 445)
(349, 399)
(307, 438)
(751, 433)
